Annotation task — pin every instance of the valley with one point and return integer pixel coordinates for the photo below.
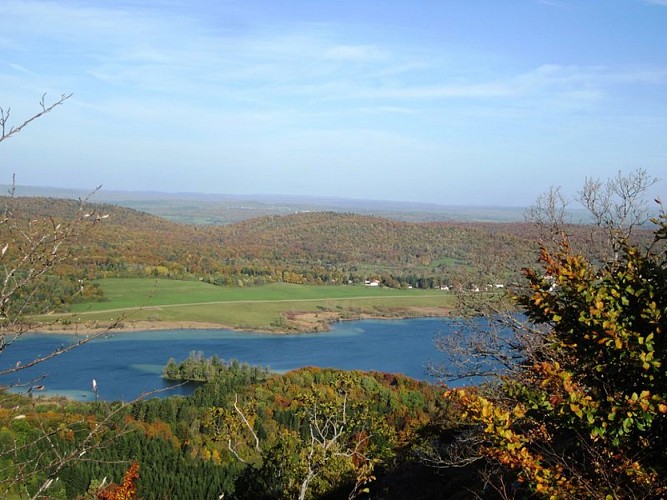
(289, 273)
(260, 289)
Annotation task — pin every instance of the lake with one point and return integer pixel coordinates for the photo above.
(127, 365)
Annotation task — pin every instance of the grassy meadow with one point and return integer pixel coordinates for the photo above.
(265, 307)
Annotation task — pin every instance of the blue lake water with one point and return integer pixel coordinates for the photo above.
(127, 365)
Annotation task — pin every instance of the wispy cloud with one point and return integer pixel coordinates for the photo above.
(160, 75)
(183, 58)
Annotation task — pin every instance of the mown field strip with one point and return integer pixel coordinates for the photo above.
(259, 301)
(262, 307)
(136, 293)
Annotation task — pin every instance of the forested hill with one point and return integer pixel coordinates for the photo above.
(327, 238)
(312, 247)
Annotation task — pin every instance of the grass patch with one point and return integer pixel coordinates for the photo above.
(137, 299)
(143, 292)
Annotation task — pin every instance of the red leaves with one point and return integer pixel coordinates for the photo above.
(127, 490)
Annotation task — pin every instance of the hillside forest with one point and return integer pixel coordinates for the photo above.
(579, 409)
(307, 248)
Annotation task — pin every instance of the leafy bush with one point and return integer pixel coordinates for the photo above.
(585, 413)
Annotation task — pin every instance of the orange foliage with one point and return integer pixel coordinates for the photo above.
(127, 490)
(155, 429)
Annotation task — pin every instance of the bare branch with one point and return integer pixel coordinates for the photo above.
(7, 131)
(617, 206)
(246, 423)
(549, 213)
(31, 248)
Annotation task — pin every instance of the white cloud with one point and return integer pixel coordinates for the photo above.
(187, 87)
(549, 81)
(143, 53)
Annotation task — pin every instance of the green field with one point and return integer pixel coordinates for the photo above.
(136, 299)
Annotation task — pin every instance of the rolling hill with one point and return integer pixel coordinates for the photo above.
(308, 247)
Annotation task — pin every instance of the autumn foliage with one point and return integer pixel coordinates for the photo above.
(127, 490)
(585, 413)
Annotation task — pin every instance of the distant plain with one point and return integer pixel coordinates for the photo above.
(216, 209)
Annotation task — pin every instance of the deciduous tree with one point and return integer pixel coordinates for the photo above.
(582, 412)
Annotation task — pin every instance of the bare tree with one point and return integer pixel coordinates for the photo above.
(549, 211)
(328, 428)
(619, 203)
(31, 249)
(491, 338)
(618, 206)
(549, 214)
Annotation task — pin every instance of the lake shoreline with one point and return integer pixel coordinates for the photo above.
(295, 322)
(129, 365)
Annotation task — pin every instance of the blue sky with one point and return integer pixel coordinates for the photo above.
(476, 102)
